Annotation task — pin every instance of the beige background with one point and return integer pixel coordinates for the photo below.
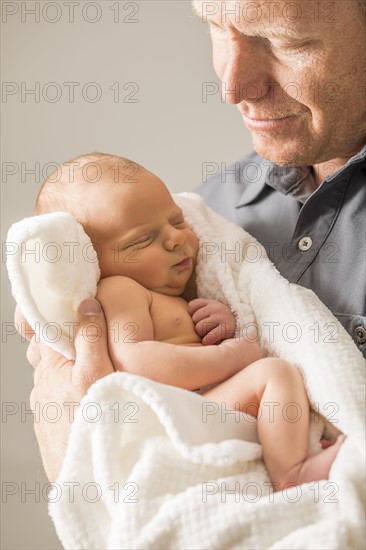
(164, 56)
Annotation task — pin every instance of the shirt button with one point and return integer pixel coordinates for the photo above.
(305, 243)
(360, 335)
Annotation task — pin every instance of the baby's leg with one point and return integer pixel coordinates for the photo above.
(273, 391)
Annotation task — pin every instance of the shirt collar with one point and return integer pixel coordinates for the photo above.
(358, 158)
(297, 182)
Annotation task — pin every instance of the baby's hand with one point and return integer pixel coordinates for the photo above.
(214, 321)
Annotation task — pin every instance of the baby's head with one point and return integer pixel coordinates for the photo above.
(129, 215)
(81, 185)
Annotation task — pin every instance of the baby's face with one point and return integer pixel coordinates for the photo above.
(140, 232)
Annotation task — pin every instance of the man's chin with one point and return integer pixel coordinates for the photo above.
(281, 155)
(290, 162)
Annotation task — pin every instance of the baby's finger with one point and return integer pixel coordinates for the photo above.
(213, 337)
(204, 327)
(201, 315)
(196, 304)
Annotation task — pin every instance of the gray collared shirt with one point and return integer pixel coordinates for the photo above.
(316, 236)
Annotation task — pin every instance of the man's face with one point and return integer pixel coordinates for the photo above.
(296, 71)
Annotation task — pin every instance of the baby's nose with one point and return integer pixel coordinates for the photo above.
(174, 237)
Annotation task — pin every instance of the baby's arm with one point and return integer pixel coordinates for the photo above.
(126, 305)
(214, 321)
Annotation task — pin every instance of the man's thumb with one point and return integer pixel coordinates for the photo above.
(91, 342)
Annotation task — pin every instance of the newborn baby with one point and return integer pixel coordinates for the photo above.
(157, 327)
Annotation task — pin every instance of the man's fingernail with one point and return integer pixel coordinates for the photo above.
(89, 307)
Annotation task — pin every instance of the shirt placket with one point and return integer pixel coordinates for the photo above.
(316, 219)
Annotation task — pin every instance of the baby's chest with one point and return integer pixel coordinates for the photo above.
(172, 321)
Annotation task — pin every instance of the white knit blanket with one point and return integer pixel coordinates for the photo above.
(152, 466)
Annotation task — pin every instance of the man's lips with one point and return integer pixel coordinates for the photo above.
(268, 123)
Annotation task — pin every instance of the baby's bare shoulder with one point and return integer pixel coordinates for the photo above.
(118, 285)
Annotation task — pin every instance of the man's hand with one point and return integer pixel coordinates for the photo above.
(64, 382)
(214, 321)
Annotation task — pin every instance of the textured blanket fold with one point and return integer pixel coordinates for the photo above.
(159, 467)
(52, 267)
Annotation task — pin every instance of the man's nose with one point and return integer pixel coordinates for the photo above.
(173, 237)
(245, 75)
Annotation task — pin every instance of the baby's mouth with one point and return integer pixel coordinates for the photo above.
(186, 262)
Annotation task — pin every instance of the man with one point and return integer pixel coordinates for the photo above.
(296, 72)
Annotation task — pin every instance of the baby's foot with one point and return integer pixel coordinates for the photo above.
(313, 468)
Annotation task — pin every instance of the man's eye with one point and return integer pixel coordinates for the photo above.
(290, 47)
